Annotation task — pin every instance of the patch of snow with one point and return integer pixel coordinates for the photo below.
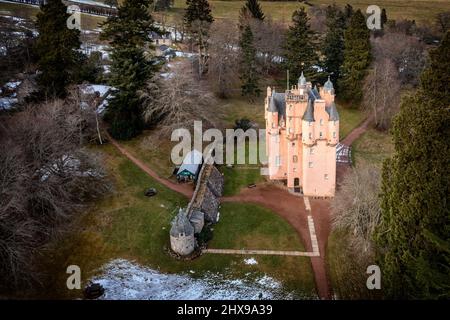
(250, 261)
(13, 84)
(123, 279)
(7, 103)
(185, 54)
(100, 88)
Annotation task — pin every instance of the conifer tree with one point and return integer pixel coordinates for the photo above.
(356, 58)
(128, 33)
(248, 70)
(252, 9)
(414, 235)
(383, 17)
(56, 48)
(198, 19)
(299, 49)
(333, 43)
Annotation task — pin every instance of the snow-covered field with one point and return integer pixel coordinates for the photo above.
(127, 280)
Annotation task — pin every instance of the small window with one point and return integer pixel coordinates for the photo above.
(278, 161)
(310, 135)
(321, 122)
(294, 169)
(274, 125)
(310, 164)
(320, 134)
(334, 134)
(311, 151)
(294, 159)
(326, 176)
(310, 123)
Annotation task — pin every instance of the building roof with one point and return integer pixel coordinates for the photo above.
(332, 111)
(181, 225)
(191, 162)
(328, 85)
(309, 112)
(302, 80)
(278, 103)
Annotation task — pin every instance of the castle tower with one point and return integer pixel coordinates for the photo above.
(302, 131)
(182, 239)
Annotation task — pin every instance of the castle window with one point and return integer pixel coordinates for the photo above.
(320, 134)
(311, 151)
(273, 125)
(326, 176)
(294, 159)
(291, 130)
(310, 135)
(310, 164)
(294, 169)
(334, 134)
(310, 123)
(278, 161)
(321, 122)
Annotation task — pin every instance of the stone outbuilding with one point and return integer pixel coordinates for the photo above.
(182, 240)
(197, 220)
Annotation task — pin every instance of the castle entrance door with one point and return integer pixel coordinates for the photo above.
(297, 185)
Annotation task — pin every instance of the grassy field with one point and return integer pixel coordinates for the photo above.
(372, 148)
(88, 22)
(129, 225)
(423, 11)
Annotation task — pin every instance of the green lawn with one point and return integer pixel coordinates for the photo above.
(423, 11)
(88, 22)
(349, 119)
(372, 148)
(129, 225)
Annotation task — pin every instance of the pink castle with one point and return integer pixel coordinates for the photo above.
(302, 131)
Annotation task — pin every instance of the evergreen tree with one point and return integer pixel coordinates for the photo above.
(333, 43)
(414, 234)
(56, 48)
(198, 19)
(252, 9)
(356, 58)
(197, 10)
(248, 70)
(128, 33)
(299, 49)
(383, 18)
(348, 13)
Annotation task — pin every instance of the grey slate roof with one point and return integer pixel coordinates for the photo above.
(309, 113)
(302, 80)
(328, 85)
(181, 225)
(278, 103)
(332, 111)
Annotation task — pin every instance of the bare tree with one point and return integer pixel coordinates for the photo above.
(46, 177)
(356, 207)
(179, 100)
(222, 71)
(382, 92)
(407, 52)
(268, 42)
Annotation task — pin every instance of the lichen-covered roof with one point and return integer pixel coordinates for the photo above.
(181, 225)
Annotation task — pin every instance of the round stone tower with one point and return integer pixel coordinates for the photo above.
(182, 239)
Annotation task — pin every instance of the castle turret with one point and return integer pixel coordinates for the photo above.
(308, 124)
(272, 115)
(182, 239)
(328, 86)
(333, 124)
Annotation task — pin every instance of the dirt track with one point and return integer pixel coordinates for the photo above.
(288, 206)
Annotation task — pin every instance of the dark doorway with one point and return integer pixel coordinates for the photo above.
(297, 185)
